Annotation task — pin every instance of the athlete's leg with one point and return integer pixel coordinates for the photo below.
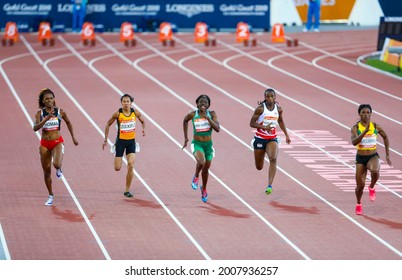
(117, 163)
(272, 152)
(373, 166)
(46, 162)
(200, 158)
(58, 155)
(130, 170)
(205, 173)
(259, 156)
(361, 172)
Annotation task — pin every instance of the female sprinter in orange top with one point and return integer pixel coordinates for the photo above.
(267, 116)
(48, 117)
(364, 137)
(126, 122)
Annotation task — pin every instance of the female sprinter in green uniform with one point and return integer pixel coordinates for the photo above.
(203, 121)
(364, 137)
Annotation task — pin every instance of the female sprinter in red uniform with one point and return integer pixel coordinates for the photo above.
(203, 121)
(364, 137)
(126, 122)
(267, 116)
(48, 118)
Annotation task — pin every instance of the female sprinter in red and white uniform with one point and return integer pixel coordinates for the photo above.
(267, 116)
(48, 118)
(126, 124)
(364, 137)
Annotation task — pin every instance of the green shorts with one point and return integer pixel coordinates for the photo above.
(205, 147)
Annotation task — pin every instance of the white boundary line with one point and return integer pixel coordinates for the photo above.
(4, 253)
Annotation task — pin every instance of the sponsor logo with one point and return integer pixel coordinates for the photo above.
(240, 9)
(91, 8)
(26, 9)
(189, 10)
(133, 9)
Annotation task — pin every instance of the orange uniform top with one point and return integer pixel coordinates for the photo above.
(126, 125)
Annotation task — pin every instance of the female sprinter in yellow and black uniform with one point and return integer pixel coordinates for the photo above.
(364, 137)
(126, 118)
(203, 122)
(49, 117)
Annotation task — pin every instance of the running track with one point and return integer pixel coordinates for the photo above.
(310, 214)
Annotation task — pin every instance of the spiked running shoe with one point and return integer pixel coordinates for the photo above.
(268, 190)
(49, 200)
(372, 194)
(128, 194)
(359, 209)
(59, 173)
(194, 183)
(204, 195)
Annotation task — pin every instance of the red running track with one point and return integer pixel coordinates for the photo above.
(310, 214)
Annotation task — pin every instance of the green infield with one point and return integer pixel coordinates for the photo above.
(379, 64)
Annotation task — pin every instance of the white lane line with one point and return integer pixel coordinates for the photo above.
(4, 253)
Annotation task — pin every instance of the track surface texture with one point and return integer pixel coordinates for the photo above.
(309, 215)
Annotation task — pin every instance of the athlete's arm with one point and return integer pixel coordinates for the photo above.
(186, 119)
(69, 125)
(108, 124)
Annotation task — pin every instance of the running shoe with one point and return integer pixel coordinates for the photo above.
(268, 190)
(194, 183)
(49, 201)
(59, 173)
(372, 193)
(204, 195)
(359, 209)
(128, 194)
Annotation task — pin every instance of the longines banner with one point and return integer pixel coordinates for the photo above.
(146, 14)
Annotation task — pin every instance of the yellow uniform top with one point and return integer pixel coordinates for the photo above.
(369, 141)
(126, 125)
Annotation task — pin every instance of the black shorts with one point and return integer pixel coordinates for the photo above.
(121, 145)
(261, 144)
(365, 159)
